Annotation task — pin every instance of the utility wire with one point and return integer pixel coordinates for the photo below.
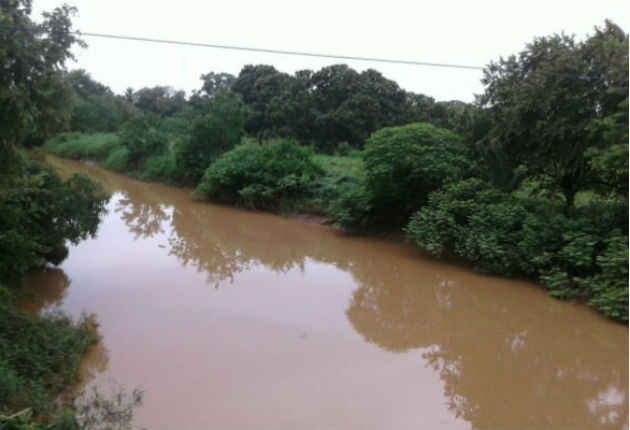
(250, 49)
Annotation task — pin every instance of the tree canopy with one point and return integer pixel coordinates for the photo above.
(553, 102)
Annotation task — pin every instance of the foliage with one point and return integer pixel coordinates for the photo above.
(350, 105)
(574, 258)
(545, 104)
(335, 104)
(39, 357)
(219, 130)
(216, 82)
(402, 166)
(40, 213)
(117, 159)
(95, 146)
(33, 96)
(161, 101)
(94, 106)
(270, 176)
(340, 174)
(157, 168)
(143, 137)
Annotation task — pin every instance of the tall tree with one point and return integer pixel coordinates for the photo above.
(214, 82)
(33, 96)
(544, 103)
(258, 85)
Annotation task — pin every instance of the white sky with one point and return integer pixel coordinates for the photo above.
(445, 31)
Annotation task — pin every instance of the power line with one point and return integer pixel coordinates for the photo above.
(250, 49)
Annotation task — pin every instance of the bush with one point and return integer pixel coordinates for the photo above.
(39, 357)
(275, 175)
(574, 258)
(143, 137)
(158, 168)
(40, 213)
(402, 166)
(213, 134)
(117, 160)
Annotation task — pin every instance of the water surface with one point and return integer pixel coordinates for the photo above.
(234, 319)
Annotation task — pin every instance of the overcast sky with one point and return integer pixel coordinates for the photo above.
(445, 31)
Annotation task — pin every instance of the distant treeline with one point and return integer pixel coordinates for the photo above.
(324, 108)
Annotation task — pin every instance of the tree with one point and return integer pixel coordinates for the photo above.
(258, 85)
(404, 164)
(291, 113)
(220, 129)
(83, 84)
(351, 105)
(94, 105)
(33, 96)
(163, 101)
(215, 82)
(544, 103)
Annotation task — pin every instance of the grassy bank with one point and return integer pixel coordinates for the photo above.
(338, 173)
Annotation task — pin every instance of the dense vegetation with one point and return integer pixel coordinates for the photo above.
(276, 174)
(531, 180)
(40, 215)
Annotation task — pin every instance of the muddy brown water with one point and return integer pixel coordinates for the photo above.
(233, 319)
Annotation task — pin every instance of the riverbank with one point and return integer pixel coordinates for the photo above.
(578, 256)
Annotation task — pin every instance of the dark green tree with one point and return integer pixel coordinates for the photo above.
(215, 82)
(163, 101)
(258, 85)
(34, 99)
(218, 130)
(544, 103)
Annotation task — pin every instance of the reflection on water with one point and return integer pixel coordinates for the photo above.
(49, 287)
(47, 291)
(504, 354)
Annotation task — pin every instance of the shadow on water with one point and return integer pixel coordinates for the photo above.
(47, 290)
(507, 354)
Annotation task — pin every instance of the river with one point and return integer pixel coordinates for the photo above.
(233, 319)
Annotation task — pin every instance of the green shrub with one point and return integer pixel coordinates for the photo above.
(40, 213)
(39, 357)
(402, 166)
(583, 257)
(340, 175)
(117, 160)
(157, 168)
(143, 137)
(275, 175)
(343, 149)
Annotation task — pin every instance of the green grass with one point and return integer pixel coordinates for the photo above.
(90, 146)
(341, 173)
